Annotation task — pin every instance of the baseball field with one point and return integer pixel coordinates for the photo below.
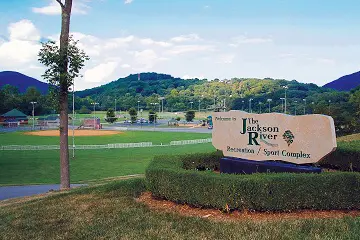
(42, 166)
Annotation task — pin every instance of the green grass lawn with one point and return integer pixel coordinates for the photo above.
(110, 212)
(30, 167)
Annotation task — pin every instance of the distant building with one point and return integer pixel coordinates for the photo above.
(13, 118)
(49, 121)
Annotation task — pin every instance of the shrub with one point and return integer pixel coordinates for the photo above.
(110, 116)
(84, 110)
(345, 158)
(133, 114)
(166, 178)
(190, 115)
(152, 116)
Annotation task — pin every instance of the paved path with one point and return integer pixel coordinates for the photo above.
(29, 190)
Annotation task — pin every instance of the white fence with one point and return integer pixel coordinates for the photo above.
(105, 146)
(195, 141)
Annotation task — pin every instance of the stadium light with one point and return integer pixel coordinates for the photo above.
(269, 101)
(250, 105)
(33, 113)
(94, 103)
(285, 87)
(282, 104)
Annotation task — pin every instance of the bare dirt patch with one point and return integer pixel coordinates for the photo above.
(217, 215)
(78, 132)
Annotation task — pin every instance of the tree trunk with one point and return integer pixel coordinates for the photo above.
(63, 95)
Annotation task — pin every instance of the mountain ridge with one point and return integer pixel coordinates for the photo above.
(22, 81)
(345, 83)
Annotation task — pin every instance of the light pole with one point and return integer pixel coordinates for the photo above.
(199, 104)
(269, 101)
(250, 105)
(295, 106)
(285, 87)
(243, 104)
(94, 103)
(214, 102)
(33, 114)
(73, 115)
(162, 104)
(115, 107)
(313, 109)
(329, 106)
(282, 104)
(304, 106)
(191, 105)
(138, 106)
(260, 103)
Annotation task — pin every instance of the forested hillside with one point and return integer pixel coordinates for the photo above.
(214, 95)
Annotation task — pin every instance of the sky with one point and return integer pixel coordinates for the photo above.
(311, 41)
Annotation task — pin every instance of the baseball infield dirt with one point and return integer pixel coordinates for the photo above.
(80, 132)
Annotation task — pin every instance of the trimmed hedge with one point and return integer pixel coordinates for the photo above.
(166, 178)
(345, 158)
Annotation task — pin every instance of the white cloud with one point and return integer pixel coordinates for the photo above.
(100, 73)
(22, 47)
(147, 58)
(24, 30)
(53, 8)
(186, 38)
(226, 58)
(181, 49)
(128, 1)
(149, 41)
(326, 61)
(125, 65)
(236, 41)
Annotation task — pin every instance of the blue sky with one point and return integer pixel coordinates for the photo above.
(310, 41)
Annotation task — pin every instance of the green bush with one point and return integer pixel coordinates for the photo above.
(167, 178)
(345, 158)
(202, 161)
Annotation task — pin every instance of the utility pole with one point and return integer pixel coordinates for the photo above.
(73, 116)
(115, 107)
(94, 103)
(304, 106)
(285, 87)
(162, 104)
(250, 105)
(33, 114)
(260, 103)
(214, 102)
(269, 101)
(282, 104)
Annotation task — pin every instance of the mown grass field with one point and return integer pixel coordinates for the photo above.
(40, 167)
(111, 212)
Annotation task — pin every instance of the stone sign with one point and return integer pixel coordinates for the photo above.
(273, 136)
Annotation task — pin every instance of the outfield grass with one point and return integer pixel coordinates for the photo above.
(40, 167)
(110, 212)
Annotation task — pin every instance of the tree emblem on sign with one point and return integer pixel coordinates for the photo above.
(288, 137)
